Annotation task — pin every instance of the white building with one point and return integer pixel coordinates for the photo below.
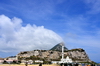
(54, 62)
(38, 61)
(24, 61)
(66, 60)
(11, 59)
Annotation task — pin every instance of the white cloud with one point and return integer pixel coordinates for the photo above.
(15, 37)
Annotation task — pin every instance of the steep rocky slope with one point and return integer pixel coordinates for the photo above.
(58, 47)
(77, 55)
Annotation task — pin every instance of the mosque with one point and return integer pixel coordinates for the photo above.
(65, 60)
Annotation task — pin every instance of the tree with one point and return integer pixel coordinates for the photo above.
(14, 62)
(5, 62)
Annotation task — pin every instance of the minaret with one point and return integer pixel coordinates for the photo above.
(62, 51)
(62, 44)
(62, 59)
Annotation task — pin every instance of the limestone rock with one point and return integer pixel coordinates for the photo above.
(77, 55)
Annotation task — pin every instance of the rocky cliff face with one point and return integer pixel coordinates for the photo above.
(77, 55)
(44, 54)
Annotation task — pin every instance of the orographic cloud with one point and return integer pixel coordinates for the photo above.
(15, 37)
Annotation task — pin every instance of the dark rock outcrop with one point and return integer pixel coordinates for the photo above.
(58, 47)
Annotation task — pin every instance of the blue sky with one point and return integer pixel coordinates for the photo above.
(41, 24)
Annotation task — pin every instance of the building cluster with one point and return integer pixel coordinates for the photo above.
(8, 59)
(14, 59)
